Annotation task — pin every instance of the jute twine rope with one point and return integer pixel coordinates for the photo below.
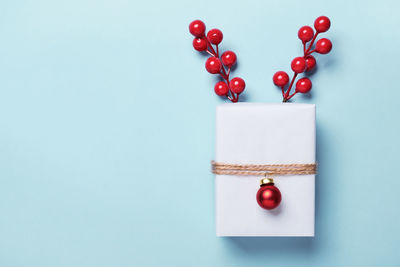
(262, 169)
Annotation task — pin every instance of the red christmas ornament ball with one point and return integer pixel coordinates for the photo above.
(213, 65)
(215, 36)
(228, 58)
(322, 24)
(310, 62)
(221, 88)
(268, 196)
(298, 65)
(197, 28)
(280, 78)
(323, 46)
(306, 33)
(303, 85)
(237, 85)
(200, 44)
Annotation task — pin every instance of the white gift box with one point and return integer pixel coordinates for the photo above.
(249, 133)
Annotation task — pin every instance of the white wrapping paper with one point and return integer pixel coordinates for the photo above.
(248, 133)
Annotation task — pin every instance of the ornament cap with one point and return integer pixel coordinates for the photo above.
(266, 181)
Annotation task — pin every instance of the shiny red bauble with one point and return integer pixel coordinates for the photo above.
(215, 36)
(228, 58)
(237, 85)
(280, 78)
(310, 63)
(221, 88)
(197, 28)
(298, 65)
(323, 46)
(322, 24)
(268, 196)
(213, 65)
(306, 33)
(200, 44)
(303, 85)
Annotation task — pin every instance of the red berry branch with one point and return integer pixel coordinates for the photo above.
(216, 64)
(307, 62)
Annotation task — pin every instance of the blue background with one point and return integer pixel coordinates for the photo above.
(107, 131)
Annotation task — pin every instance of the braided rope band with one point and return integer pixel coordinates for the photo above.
(262, 169)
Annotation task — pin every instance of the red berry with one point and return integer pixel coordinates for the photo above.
(215, 36)
(237, 85)
(303, 85)
(200, 44)
(323, 46)
(322, 24)
(213, 65)
(310, 63)
(306, 33)
(228, 58)
(221, 88)
(197, 28)
(280, 78)
(298, 65)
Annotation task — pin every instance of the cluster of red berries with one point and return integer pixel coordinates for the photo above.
(307, 62)
(216, 64)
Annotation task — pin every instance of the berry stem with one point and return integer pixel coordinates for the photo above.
(308, 51)
(211, 47)
(312, 51)
(291, 95)
(311, 44)
(285, 98)
(224, 72)
(233, 98)
(211, 54)
(225, 75)
(209, 42)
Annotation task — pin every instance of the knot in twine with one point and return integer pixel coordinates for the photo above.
(262, 169)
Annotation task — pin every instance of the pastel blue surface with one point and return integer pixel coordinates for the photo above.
(107, 131)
